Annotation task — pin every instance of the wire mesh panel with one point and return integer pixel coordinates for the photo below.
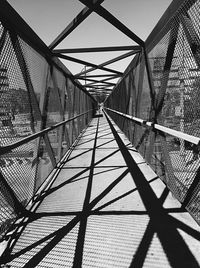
(35, 94)
(7, 210)
(168, 94)
(52, 114)
(42, 162)
(19, 170)
(18, 119)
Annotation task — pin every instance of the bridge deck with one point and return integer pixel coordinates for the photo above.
(107, 208)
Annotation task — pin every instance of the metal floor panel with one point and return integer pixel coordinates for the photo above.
(94, 215)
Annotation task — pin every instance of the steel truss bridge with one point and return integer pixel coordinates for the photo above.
(101, 170)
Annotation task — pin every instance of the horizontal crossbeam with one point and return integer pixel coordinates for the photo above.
(109, 62)
(97, 49)
(87, 64)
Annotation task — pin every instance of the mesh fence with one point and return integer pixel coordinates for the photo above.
(34, 94)
(174, 63)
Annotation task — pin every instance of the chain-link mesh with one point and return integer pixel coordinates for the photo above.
(34, 95)
(172, 101)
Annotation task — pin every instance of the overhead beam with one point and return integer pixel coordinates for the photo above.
(98, 84)
(96, 81)
(103, 88)
(107, 79)
(73, 24)
(121, 57)
(100, 75)
(99, 88)
(87, 64)
(87, 79)
(96, 49)
(100, 91)
(101, 11)
(109, 62)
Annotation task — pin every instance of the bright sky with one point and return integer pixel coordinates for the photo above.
(49, 17)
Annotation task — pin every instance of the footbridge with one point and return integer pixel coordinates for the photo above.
(100, 168)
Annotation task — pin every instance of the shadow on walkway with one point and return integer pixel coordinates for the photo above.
(101, 211)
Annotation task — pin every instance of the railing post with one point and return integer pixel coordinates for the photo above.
(61, 107)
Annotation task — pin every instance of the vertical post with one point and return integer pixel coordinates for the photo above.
(61, 100)
(182, 76)
(182, 88)
(149, 77)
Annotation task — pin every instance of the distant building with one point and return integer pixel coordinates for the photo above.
(5, 117)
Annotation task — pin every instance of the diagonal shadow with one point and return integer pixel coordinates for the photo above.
(172, 242)
(120, 197)
(103, 136)
(152, 227)
(140, 255)
(78, 256)
(79, 174)
(83, 220)
(86, 150)
(187, 229)
(64, 230)
(175, 210)
(87, 141)
(78, 155)
(60, 233)
(98, 173)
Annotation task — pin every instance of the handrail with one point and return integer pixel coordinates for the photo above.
(175, 133)
(14, 145)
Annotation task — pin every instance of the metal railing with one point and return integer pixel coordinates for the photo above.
(156, 102)
(155, 127)
(10, 147)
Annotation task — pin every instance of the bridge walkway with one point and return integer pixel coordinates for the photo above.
(106, 208)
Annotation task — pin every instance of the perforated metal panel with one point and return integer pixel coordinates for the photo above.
(174, 65)
(34, 95)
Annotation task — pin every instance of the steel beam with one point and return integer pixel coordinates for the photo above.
(100, 88)
(73, 24)
(87, 79)
(97, 49)
(97, 81)
(97, 86)
(112, 76)
(150, 79)
(101, 11)
(87, 64)
(109, 62)
(107, 79)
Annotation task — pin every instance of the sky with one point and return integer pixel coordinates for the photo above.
(49, 17)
